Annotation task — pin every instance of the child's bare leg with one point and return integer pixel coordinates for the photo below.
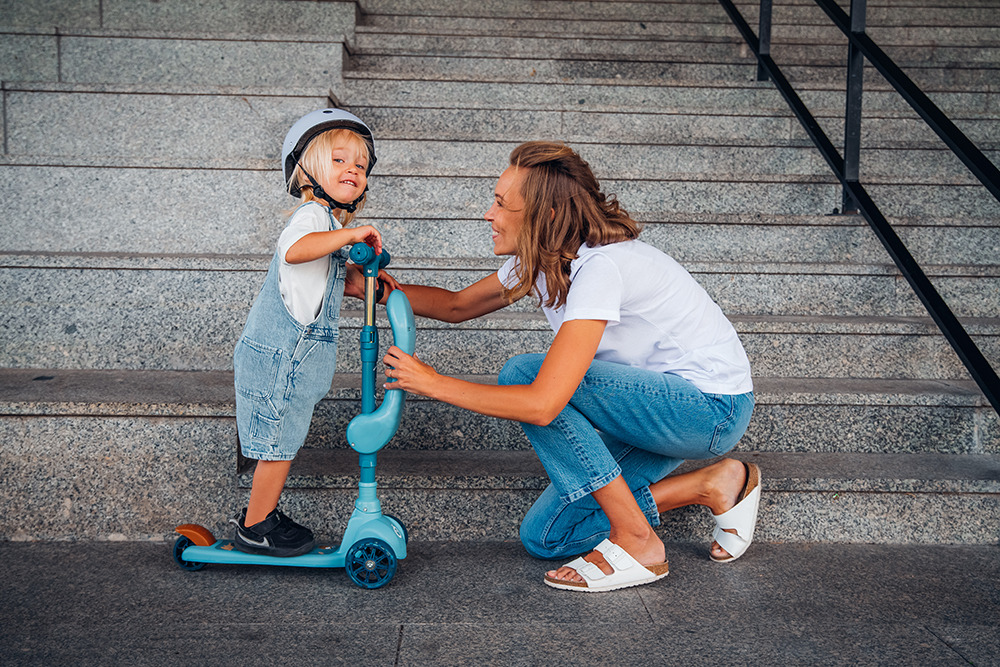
(629, 529)
(268, 483)
(716, 487)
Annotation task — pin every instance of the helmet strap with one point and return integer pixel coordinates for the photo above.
(320, 193)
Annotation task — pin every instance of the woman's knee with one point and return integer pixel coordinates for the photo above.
(532, 542)
(520, 369)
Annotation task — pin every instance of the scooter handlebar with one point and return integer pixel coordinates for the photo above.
(368, 433)
(364, 256)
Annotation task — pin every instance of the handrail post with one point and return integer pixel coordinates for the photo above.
(764, 37)
(852, 115)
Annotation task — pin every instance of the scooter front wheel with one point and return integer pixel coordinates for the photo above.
(370, 563)
(405, 535)
(180, 545)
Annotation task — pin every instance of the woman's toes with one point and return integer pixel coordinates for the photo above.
(565, 574)
(569, 574)
(718, 552)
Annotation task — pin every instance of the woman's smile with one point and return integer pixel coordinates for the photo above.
(506, 215)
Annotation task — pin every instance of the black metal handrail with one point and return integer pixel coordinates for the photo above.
(855, 196)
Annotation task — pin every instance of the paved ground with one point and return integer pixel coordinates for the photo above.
(483, 603)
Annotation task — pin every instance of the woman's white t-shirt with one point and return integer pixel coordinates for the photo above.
(659, 318)
(302, 286)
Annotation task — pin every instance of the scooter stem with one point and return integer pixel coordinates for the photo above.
(373, 428)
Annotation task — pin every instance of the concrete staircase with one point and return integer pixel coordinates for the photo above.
(142, 201)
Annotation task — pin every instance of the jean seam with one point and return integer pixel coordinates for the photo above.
(595, 483)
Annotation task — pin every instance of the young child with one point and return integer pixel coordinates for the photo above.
(284, 360)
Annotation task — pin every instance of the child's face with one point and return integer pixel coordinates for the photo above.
(345, 178)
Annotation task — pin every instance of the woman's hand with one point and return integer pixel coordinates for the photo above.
(354, 283)
(390, 284)
(409, 373)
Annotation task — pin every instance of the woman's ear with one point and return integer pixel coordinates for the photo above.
(553, 216)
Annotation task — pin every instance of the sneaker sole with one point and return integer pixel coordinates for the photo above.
(274, 551)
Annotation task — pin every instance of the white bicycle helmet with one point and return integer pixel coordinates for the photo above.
(308, 128)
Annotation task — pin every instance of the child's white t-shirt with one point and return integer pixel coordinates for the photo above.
(659, 318)
(302, 286)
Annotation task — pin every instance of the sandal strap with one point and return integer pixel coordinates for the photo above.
(619, 560)
(589, 571)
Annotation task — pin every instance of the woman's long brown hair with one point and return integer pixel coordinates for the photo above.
(563, 209)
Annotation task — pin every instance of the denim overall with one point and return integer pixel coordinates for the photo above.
(284, 368)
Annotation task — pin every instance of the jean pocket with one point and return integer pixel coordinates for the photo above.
(721, 443)
(255, 368)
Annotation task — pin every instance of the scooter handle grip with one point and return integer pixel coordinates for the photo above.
(364, 256)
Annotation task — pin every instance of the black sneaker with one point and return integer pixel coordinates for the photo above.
(276, 535)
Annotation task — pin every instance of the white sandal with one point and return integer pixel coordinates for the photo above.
(742, 518)
(627, 572)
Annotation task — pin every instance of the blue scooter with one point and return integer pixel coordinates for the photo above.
(372, 542)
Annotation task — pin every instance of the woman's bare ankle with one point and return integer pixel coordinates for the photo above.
(724, 485)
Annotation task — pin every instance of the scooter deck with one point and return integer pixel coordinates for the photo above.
(223, 552)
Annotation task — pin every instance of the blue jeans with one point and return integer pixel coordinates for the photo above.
(620, 421)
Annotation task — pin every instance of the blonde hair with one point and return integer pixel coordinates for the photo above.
(563, 209)
(316, 160)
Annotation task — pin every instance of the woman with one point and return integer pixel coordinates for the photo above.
(644, 372)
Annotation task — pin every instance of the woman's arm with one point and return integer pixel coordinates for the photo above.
(539, 403)
(320, 244)
(476, 300)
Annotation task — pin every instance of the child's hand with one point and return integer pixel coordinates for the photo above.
(367, 234)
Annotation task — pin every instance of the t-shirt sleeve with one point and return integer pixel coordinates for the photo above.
(306, 220)
(506, 272)
(595, 292)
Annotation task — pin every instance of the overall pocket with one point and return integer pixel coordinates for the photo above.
(255, 368)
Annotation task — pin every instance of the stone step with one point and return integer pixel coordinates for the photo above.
(147, 451)
(853, 414)
(104, 102)
(90, 129)
(969, 15)
(741, 98)
(712, 29)
(547, 70)
(665, 145)
(959, 14)
(691, 158)
(935, 498)
(611, 47)
(109, 210)
(171, 59)
(244, 18)
(711, 238)
(710, 127)
(792, 324)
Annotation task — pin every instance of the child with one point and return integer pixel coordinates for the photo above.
(284, 360)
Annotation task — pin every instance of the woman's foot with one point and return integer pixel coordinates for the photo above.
(729, 482)
(647, 549)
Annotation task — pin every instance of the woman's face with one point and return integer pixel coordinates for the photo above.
(507, 213)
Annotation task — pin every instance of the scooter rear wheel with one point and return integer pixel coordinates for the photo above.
(180, 545)
(370, 563)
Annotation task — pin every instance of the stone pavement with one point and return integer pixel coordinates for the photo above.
(474, 603)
